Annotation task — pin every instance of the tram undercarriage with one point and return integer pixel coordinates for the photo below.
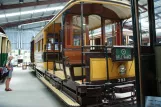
(89, 95)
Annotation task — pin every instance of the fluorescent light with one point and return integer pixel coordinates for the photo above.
(54, 8)
(2, 16)
(30, 12)
(35, 22)
(26, 12)
(39, 10)
(13, 14)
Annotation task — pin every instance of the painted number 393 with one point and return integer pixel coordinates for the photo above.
(122, 80)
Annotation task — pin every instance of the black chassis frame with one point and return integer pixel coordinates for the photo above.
(90, 94)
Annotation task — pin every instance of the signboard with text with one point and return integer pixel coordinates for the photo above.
(120, 53)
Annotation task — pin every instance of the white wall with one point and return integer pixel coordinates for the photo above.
(20, 39)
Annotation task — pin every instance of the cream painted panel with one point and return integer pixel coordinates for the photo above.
(57, 66)
(4, 44)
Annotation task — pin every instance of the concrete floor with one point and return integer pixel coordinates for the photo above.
(28, 91)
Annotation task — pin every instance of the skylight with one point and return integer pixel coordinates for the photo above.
(30, 12)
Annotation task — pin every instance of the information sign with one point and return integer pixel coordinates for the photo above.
(122, 53)
(151, 101)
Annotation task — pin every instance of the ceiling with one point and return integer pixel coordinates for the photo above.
(33, 14)
(28, 14)
(144, 21)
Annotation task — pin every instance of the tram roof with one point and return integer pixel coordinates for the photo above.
(121, 9)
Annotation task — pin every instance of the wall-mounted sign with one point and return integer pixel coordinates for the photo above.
(151, 101)
(122, 53)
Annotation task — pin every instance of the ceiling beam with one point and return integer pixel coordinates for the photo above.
(13, 24)
(32, 27)
(29, 4)
(145, 9)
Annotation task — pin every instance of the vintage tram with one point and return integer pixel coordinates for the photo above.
(80, 72)
(5, 49)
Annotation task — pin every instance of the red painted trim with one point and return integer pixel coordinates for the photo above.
(118, 34)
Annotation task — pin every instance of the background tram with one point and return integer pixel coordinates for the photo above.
(67, 62)
(5, 49)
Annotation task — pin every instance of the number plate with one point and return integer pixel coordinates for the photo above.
(122, 80)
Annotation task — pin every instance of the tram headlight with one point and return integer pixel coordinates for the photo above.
(122, 69)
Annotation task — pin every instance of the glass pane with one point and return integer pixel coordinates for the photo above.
(76, 39)
(109, 34)
(77, 30)
(157, 10)
(144, 23)
(94, 31)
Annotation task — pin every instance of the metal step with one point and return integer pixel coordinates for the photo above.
(60, 94)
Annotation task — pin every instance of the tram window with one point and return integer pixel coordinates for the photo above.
(42, 44)
(144, 25)
(77, 30)
(95, 32)
(109, 41)
(109, 33)
(76, 40)
(76, 37)
(37, 46)
(157, 10)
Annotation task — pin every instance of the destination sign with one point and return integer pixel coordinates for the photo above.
(122, 53)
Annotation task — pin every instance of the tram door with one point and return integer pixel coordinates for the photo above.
(157, 41)
(147, 48)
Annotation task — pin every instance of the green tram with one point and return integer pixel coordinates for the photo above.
(5, 47)
(81, 71)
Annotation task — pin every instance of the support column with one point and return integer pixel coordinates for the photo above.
(68, 31)
(87, 31)
(127, 39)
(102, 31)
(136, 36)
(118, 34)
(113, 35)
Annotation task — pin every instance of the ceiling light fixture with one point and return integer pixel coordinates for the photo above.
(35, 22)
(30, 12)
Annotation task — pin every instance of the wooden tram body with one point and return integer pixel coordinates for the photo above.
(44, 46)
(5, 49)
(78, 72)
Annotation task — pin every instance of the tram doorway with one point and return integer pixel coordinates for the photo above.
(145, 21)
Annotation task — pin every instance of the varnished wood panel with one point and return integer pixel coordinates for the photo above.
(68, 31)
(74, 55)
